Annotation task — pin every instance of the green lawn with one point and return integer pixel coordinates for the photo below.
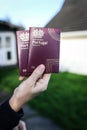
(65, 100)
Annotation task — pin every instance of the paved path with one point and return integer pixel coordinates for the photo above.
(33, 120)
(36, 122)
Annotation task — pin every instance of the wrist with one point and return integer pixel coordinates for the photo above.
(13, 102)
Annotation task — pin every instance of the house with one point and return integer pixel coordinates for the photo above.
(72, 20)
(8, 51)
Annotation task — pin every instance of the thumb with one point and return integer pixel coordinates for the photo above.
(37, 73)
(22, 125)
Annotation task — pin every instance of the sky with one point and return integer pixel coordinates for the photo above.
(29, 12)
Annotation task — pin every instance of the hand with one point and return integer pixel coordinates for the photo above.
(20, 126)
(30, 88)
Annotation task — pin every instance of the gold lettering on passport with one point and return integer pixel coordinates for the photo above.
(24, 36)
(24, 70)
(38, 33)
(24, 46)
(32, 67)
(38, 39)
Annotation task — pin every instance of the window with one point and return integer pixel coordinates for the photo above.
(0, 43)
(8, 42)
(9, 55)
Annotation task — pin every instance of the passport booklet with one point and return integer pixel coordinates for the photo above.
(23, 50)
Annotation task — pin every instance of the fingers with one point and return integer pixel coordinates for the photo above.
(37, 73)
(42, 83)
(21, 78)
(22, 125)
(46, 77)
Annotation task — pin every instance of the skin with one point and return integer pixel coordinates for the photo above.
(21, 126)
(29, 88)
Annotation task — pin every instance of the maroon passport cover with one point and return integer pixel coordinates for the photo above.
(23, 50)
(44, 49)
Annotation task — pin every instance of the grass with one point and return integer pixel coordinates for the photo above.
(65, 100)
(9, 79)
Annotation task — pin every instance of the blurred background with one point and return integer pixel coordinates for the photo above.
(64, 105)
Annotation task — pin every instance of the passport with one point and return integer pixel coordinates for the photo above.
(44, 49)
(23, 50)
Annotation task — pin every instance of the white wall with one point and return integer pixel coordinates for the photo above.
(73, 52)
(4, 61)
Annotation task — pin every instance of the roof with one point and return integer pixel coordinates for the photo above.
(72, 16)
(7, 26)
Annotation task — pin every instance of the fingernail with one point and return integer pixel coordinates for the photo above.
(21, 78)
(41, 67)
